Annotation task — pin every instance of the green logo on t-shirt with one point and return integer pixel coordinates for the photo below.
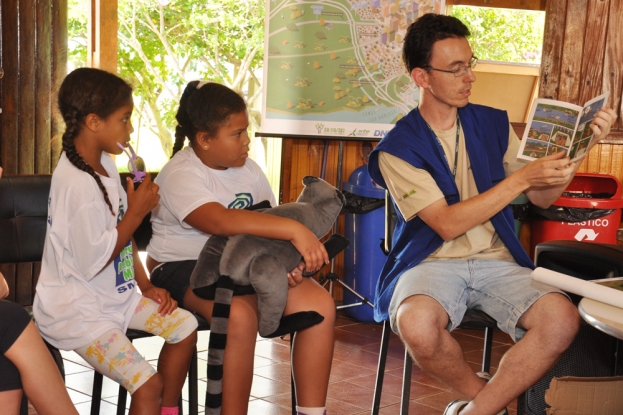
(242, 201)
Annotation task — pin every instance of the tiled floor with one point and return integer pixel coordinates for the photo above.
(352, 377)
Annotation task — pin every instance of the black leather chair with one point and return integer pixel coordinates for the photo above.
(473, 319)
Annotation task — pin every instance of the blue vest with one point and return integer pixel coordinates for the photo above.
(486, 133)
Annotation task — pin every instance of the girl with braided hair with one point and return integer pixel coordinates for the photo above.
(205, 189)
(87, 293)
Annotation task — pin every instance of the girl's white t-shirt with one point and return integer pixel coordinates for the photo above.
(185, 184)
(79, 297)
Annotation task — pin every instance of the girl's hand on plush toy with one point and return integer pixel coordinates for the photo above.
(295, 277)
(313, 251)
(162, 297)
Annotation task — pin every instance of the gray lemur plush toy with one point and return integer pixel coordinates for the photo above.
(244, 264)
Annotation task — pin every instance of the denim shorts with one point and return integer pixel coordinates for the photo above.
(174, 277)
(502, 289)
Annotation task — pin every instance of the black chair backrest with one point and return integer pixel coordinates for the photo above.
(23, 216)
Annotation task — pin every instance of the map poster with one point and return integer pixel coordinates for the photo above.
(334, 67)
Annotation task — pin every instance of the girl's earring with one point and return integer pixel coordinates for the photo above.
(205, 147)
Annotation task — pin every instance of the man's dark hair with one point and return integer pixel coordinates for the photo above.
(422, 35)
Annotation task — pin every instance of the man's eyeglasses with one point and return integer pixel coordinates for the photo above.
(460, 71)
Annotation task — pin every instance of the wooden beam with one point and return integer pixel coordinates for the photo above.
(59, 70)
(553, 39)
(102, 30)
(503, 4)
(613, 72)
(10, 83)
(43, 82)
(572, 51)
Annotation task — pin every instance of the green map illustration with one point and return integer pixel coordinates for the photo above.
(334, 64)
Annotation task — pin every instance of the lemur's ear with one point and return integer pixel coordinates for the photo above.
(309, 179)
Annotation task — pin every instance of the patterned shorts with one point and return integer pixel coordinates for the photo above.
(114, 356)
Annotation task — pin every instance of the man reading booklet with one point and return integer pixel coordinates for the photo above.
(557, 126)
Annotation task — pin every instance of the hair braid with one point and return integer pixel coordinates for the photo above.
(73, 127)
(180, 137)
(89, 91)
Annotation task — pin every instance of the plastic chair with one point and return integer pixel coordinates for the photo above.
(473, 319)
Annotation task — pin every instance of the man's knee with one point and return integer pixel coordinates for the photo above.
(421, 321)
(557, 318)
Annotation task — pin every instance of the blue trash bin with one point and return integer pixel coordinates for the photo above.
(363, 258)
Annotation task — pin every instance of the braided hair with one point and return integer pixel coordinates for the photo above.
(204, 107)
(89, 91)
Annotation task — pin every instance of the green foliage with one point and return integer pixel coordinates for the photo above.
(161, 48)
(504, 34)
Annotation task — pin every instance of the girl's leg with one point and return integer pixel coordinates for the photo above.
(179, 331)
(10, 401)
(114, 356)
(312, 353)
(240, 349)
(41, 379)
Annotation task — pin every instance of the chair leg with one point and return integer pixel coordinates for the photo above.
(406, 384)
(380, 371)
(292, 385)
(122, 399)
(23, 409)
(96, 396)
(486, 353)
(193, 389)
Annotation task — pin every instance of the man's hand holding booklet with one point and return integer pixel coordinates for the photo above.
(555, 126)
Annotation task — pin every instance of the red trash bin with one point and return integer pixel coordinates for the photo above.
(600, 230)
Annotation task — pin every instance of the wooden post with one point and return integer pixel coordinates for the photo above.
(102, 31)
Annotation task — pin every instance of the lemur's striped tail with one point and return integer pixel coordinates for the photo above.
(218, 341)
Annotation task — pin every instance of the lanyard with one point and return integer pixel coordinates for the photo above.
(456, 148)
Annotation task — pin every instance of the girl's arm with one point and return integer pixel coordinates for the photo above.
(214, 219)
(159, 295)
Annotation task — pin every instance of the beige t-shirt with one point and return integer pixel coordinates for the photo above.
(414, 189)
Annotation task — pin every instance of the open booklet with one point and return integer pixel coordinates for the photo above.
(555, 126)
(609, 290)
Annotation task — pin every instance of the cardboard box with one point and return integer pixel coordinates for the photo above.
(571, 395)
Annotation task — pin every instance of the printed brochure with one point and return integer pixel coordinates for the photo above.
(555, 126)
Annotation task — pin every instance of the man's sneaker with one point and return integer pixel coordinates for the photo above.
(486, 376)
(455, 406)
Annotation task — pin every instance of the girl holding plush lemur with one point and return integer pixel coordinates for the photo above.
(204, 189)
(87, 291)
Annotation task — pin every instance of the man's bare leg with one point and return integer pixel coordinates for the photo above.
(422, 323)
(551, 323)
